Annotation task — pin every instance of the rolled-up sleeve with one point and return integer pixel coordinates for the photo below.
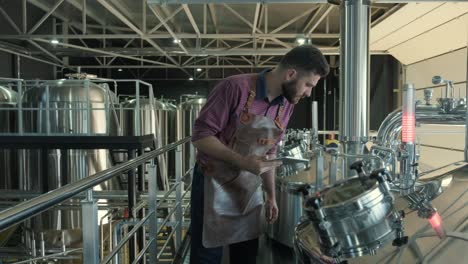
(214, 116)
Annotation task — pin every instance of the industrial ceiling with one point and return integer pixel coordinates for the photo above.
(197, 39)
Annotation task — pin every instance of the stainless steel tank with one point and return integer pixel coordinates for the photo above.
(189, 111)
(167, 116)
(138, 123)
(150, 119)
(66, 107)
(8, 157)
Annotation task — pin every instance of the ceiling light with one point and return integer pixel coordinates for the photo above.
(199, 69)
(301, 41)
(54, 41)
(119, 70)
(176, 41)
(190, 79)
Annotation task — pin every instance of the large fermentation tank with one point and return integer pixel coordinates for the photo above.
(167, 116)
(138, 123)
(66, 107)
(189, 112)
(8, 157)
(152, 118)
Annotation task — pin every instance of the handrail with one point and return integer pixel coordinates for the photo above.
(41, 203)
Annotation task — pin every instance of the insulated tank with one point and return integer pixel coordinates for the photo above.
(189, 112)
(158, 118)
(167, 116)
(66, 107)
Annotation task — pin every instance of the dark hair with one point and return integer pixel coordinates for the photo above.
(306, 58)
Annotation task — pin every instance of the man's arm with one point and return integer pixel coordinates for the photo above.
(271, 208)
(255, 164)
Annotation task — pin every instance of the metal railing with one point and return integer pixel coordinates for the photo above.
(90, 232)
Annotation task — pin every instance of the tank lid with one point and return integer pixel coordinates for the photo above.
(8, 96)
(346, 190)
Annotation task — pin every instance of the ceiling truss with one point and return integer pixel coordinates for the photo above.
(160, 39)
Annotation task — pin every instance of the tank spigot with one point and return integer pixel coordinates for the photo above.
(400, 241)
(357, 166)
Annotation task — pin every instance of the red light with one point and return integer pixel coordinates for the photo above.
(408, 128)
(436, 223)
(435, 220)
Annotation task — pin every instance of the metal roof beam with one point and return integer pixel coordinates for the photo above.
(293, 20)
(192, 20)
(203, 66)
(159, 16)
(126, 45)
(112, 10)
(161, 23)
(46, 8)
(257, 11)
(236, 51)
(96, 26)
(214, 20)
(32, 58)
(10, 21)
(47, 52)
(314, 17)
(177, 35)
(84, 44)
(320, 19)
(99, 51)
(241, 17)
(49, 12)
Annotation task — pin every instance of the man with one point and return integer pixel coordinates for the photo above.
(236, 133)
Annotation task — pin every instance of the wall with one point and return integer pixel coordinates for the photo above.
(451, 66)
(29, 69)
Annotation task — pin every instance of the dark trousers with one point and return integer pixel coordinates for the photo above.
(242, 253)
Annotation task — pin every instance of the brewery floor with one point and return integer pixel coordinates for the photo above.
(451, 204)
(270, 252)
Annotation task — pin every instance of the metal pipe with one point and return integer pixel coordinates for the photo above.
(391, 126)
(18, 67)
(143, 251)
(139, 211)
(127, 237)
(392, 152)
(39, 204)
(354, 78)
(178, 226)
(131, 203)
(49, 256)
(324, 113)
(466, 115)
(314, 121)
(101, 232)
(179, 216)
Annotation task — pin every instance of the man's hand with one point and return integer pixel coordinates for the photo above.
(271, 210)
(258, 165)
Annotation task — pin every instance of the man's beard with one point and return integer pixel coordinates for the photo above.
(289, 90)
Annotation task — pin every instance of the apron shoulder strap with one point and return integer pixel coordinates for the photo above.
(252, 93)
(278, 116)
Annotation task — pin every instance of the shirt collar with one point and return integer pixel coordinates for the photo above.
(261, 92)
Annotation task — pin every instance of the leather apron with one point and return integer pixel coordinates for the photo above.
(233, 203)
